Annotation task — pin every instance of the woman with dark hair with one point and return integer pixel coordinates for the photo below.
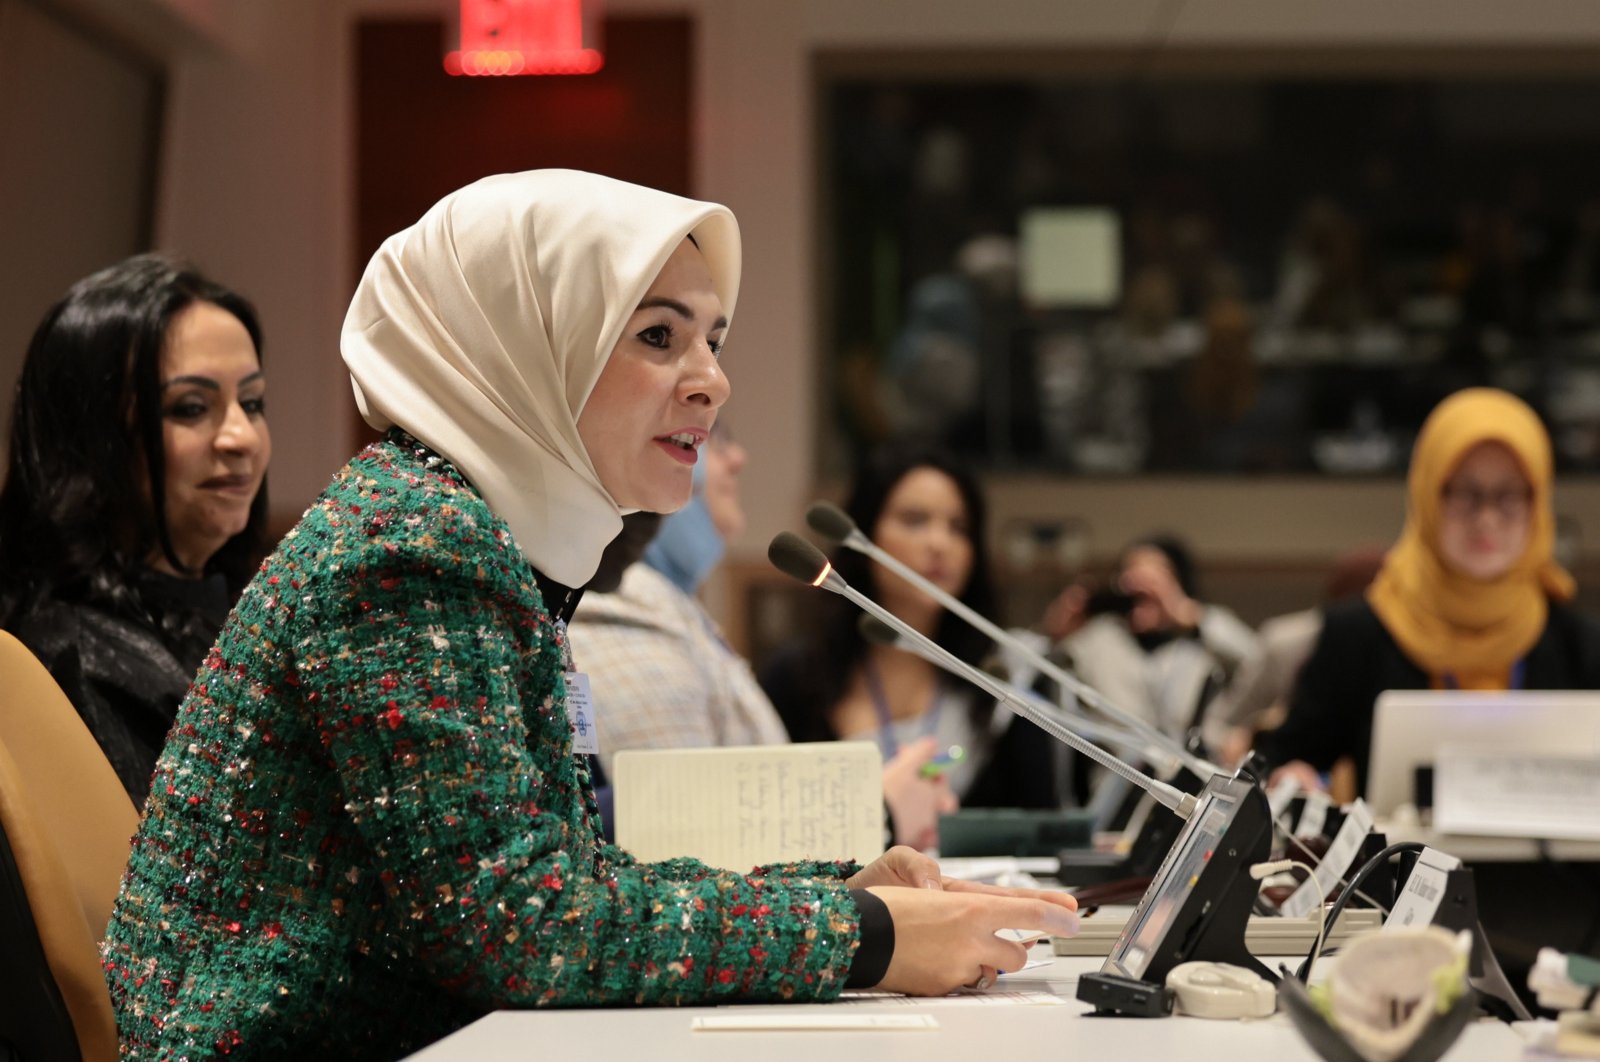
(927, 510)
(135, 497)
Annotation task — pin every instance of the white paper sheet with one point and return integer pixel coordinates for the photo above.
(1483, 791)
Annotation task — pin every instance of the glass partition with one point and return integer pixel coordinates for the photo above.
(1230, 271)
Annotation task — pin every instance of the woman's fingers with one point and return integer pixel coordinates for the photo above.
(1059, 898)
(1006, 956)
(986, 977)
(900, 865)
(1034, 912)
(942, 937)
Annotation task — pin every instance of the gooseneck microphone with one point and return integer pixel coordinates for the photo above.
(799, 559)
(834, 523)
(877, 632)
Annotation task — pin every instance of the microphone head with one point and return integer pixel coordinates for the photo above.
(830, 521)
(875, 631)
(798, 559)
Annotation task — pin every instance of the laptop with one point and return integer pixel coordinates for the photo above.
(1409, 727)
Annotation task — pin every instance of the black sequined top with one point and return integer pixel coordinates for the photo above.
(125, 674)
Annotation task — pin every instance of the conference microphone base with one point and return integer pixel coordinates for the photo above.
(1150, 846)
(1199, 904)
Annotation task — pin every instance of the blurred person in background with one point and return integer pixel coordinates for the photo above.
(1148, 642)
(1259, 698)
(1469, 598)
(925, 509)
(662, 674)
(135, 500)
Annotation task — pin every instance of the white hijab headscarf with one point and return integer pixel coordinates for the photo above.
(482, 329)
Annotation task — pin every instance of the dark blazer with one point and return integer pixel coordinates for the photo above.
(1356, 658)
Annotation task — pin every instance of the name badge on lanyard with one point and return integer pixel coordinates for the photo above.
(580, 705)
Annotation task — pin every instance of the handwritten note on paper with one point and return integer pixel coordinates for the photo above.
(742, 807)
(1509, 795)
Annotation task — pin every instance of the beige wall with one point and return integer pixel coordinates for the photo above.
(253, 185)
(258, 166)
(77, 116)
(256, 188)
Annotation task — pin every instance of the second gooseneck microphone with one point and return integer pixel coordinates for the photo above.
(832, 522)
(877, 632)
(796, 557)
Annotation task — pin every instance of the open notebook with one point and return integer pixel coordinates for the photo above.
(744, 806)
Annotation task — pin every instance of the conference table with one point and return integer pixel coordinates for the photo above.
(1029, 1014)
(1032, 1013)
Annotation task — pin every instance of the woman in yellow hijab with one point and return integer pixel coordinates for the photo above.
(1470, 597)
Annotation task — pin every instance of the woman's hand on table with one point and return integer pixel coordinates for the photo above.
(945, 938)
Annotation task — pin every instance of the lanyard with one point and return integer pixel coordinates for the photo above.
(566, 646)
(887, 742)
(1519, 676)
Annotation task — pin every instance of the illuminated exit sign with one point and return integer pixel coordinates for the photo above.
(500, 37)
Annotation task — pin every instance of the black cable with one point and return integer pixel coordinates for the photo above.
(1361, 875)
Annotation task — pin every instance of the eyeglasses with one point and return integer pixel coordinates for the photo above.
(1465, 502)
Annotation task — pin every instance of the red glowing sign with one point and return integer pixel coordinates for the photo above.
(527, 37)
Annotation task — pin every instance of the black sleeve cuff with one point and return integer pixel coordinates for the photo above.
(877, 941)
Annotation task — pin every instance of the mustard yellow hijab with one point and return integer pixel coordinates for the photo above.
(1450, 624)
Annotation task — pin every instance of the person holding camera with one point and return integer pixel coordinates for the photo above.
(1147, 641)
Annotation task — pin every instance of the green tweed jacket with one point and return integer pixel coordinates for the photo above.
(368, 826)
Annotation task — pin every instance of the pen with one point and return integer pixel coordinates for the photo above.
(943, 762)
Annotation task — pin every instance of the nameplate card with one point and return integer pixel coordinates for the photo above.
(742, 807)
(1336, 862)
(1483, 791)
(1424, 889)
(1314, 816)
(1281, 795)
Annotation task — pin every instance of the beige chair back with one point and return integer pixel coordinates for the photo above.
(69, 824)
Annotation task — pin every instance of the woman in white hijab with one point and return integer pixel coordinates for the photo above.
(371, 823)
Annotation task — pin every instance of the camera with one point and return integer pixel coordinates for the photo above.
(1109, 599)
